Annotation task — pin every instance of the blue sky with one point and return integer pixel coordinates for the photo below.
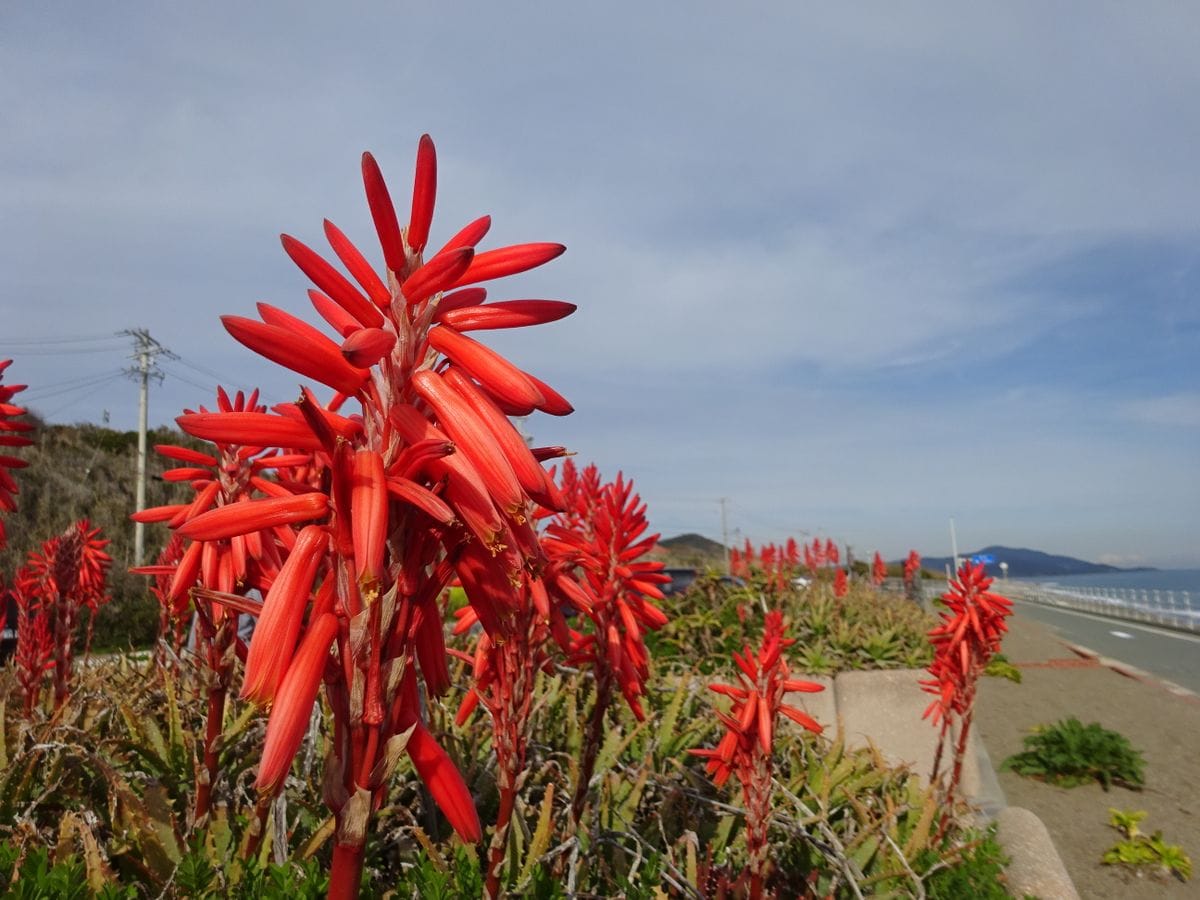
(857, 271)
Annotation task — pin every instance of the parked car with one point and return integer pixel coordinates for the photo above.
(681, 580)
(8, 636)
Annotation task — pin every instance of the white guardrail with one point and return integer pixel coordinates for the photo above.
(1170, 609)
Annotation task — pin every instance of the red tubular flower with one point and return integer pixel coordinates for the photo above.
(12, 434)
(968, 636)
(745, 750)
(598, 538)
(67, 575)
(912, 567)
(840, 585)
(34, 654)
(878, 570)
(771, 568)
(291, 711)
(416, 476)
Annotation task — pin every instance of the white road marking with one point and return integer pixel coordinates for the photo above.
(1122, 634)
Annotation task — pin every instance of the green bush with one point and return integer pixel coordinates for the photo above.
(1069, 753)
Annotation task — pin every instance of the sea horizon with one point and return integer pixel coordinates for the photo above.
(1141, 579)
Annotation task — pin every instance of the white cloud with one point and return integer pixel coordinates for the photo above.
(1180, 410)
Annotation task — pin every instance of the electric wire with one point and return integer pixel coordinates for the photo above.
(30, 342)
(72, 402)
(201, 369)
(42, 394)
(76, 351)
(36, 391)
(204, 387)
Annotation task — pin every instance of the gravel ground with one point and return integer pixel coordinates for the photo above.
(1057, 684)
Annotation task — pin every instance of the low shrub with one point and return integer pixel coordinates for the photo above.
(1070, 753)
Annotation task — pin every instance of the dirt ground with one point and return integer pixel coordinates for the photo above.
(1057, 684)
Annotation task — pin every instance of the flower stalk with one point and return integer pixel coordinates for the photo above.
(746, 749)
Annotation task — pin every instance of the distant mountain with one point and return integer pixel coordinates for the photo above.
(1023, 563)
(692, 550)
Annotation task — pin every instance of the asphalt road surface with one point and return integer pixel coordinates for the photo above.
(1172, 655)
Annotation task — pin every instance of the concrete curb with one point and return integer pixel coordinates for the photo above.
(1131, 671)
(1035, 868)
(884, 708)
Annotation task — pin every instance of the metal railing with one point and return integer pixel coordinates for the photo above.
(1170, 609)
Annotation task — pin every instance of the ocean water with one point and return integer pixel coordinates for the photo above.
(1157, 580)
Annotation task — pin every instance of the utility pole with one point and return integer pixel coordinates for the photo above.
(725, 534)
(146, 351)
(954, 544)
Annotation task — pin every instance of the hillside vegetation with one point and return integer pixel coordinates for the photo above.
(86, 470)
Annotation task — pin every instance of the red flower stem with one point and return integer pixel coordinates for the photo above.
(591, 745)
(941, 746)
(218, 672)
(345, 876)
(508, 800)
(259, 826)
(64, 626)
(367, 763)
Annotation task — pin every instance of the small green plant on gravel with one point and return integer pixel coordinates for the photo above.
(1069, 753)
(1000, 667)
(1137, 849)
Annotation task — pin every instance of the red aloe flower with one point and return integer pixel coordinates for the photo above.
(68, 575)
(425, 478)
(226, 481)
(746, 748)
(840, 585)
(912, 576)
(503, 676)
(172, 612)
(912, 567)
(969, 635)
(34, 655)
(878, 570)
(819, 560)
(12, 434)
(831, 552)
(601, 537)
(772, 568)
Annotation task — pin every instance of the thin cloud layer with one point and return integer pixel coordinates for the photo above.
(857, 271)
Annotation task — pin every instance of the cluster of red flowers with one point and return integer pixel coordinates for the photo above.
(819, 554)
(912, 568)
(427, 481)
(229, 478)
(774, 566)
(34, 654)
(841, 585)
(746, 747)
(601, 533)
(596, 547)
(67, 575)
(969, 635)
(12, 434)
(878, 570)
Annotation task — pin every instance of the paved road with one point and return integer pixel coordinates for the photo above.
(1168, 654)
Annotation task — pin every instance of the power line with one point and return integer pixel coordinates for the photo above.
(9, 342)
(95, 389)
(45, 391)
(178, 377)
(76, 351)
(201, 369)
